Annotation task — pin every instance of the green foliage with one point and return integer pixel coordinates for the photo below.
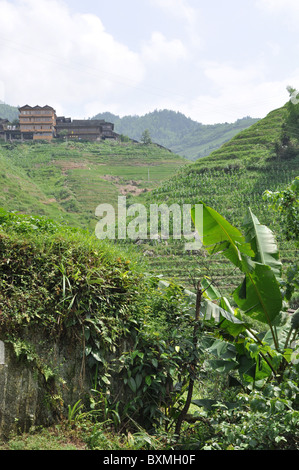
(75, 412)
(145, 137)
(286, 204)
(229, 180)
(66, 280)
(8, 112)
(60, 279)
(44, 439)
(157, 367)
(264, 420)
(22, 223)
(258, 357)
(292, 121)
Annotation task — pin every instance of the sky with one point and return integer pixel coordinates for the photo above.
(214, 61)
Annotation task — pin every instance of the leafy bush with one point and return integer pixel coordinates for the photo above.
(263, 420)
(21, 223)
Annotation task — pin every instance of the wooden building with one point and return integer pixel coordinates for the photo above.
(40, 121)
(11, 132)
(85, 129)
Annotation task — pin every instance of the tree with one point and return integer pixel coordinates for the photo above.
(292, 120)
(146, 138)
(64, 134)
(286, 203)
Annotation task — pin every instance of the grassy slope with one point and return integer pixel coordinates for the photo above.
(229, 180)
(69, 180)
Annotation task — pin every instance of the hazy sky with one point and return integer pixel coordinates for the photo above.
(213, 60)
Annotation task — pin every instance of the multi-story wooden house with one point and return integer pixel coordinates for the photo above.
(41, 123)
(38, 120)
(87, 129)
(9, 131)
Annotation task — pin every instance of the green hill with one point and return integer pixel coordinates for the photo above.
(70, 180)
(230, 180)
(175, 131)
(8, 112)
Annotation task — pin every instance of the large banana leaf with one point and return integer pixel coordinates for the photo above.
(263, 243)
(259, 295)
(219, 236)
(222, 314)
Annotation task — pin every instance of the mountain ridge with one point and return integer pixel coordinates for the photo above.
(179, 133)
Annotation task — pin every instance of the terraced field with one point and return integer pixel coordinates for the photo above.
(69, 180)
(230, 180)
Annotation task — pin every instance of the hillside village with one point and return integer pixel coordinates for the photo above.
(168, 129)
(42, 123)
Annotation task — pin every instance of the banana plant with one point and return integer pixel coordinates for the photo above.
(259, 297)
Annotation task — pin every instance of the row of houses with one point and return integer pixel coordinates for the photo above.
(41, 123)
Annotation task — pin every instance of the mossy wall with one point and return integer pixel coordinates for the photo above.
(39, 377)
(66, 300)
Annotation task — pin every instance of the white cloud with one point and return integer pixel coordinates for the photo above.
(47, 51)
(236, 90)
(286, 10)
(158, 49)
(227, 77)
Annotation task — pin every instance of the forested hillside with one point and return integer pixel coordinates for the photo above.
(175, 131)
(8, 112)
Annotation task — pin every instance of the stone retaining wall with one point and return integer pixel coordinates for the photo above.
(37, 387)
